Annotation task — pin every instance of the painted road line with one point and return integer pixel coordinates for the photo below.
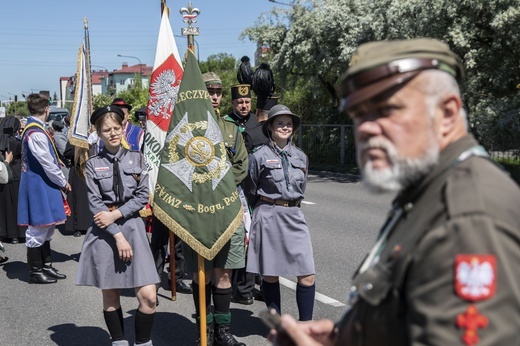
(307, 202)
(320, 297)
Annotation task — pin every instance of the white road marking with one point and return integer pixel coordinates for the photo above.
(321, 297)
(307, 202)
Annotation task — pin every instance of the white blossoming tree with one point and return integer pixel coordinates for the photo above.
(311, 43)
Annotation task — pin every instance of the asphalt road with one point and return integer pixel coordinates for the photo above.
(343, 220)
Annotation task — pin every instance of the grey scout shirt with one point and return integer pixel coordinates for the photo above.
(266, 177)
(100, 177)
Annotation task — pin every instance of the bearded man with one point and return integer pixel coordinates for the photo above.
(443, 270)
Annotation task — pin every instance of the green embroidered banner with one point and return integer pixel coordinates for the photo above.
(195, 195)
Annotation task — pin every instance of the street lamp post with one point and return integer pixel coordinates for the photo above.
(281, 3)
(134, 57)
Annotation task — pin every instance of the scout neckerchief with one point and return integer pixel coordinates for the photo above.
(397, 211)
(285, 163)
(46, 133)
(118, 182)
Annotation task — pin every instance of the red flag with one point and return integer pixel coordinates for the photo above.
(164, 87)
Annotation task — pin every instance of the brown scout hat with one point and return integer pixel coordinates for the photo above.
(240, 91)
(212, 80)
(376, 67)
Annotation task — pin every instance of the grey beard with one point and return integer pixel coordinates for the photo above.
(402, 173)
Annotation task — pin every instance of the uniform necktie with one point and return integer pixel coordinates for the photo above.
(285, 166)
(118, 182)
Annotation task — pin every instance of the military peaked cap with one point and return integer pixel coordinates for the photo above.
(376, 67)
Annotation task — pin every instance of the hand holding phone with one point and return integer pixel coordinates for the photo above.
(271, 319)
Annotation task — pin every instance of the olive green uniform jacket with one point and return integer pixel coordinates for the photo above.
(235, 147)
(449, 271)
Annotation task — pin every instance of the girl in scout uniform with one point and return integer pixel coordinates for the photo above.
(280, 244)
(115, 252)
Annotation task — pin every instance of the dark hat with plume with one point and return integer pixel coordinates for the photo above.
(263, 84)
(245, 71)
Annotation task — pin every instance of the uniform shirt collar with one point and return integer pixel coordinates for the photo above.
(288, 148)
(110, 156)
(239, 118)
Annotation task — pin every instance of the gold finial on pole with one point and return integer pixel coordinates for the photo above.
(163, 7)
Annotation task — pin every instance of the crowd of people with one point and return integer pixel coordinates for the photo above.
(442, 271)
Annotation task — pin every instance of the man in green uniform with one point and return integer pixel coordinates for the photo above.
(241, 114)
(232, 255)
(443, 270)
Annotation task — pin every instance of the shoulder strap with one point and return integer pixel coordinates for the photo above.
(46, 133)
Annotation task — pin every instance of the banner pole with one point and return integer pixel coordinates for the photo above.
(202, 301)
(189, 15)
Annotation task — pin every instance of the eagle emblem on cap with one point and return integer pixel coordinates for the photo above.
(354, 59)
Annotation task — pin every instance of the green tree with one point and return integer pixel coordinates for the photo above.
(18, 108)
(137, 96)
(311, 44)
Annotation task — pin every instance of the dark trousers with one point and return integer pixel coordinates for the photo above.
(159, 246)
(243, 282)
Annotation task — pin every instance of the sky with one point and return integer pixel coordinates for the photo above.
(39, 40)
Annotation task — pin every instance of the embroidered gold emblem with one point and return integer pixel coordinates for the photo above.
(199, 151)
(243, 90)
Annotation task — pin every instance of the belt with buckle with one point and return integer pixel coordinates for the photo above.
(284, 203)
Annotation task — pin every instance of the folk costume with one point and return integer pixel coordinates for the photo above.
(40, 203)
(134, 135)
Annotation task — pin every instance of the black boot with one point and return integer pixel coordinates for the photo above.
(210, 334)
(223, 336)
(34, 260)
(47, 262)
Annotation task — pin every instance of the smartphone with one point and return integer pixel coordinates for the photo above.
(271, 318)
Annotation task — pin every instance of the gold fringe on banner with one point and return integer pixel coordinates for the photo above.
(196, 245)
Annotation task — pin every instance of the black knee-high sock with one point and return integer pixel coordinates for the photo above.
(305, 300)
(115, 324)
(196, 297)
(143, 327)
(272, 295)
(222, 299)
(121, 319)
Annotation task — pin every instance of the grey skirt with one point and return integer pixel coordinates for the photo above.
(279, 243)
(99, 263)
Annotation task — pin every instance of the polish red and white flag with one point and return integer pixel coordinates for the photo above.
(164, 87)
